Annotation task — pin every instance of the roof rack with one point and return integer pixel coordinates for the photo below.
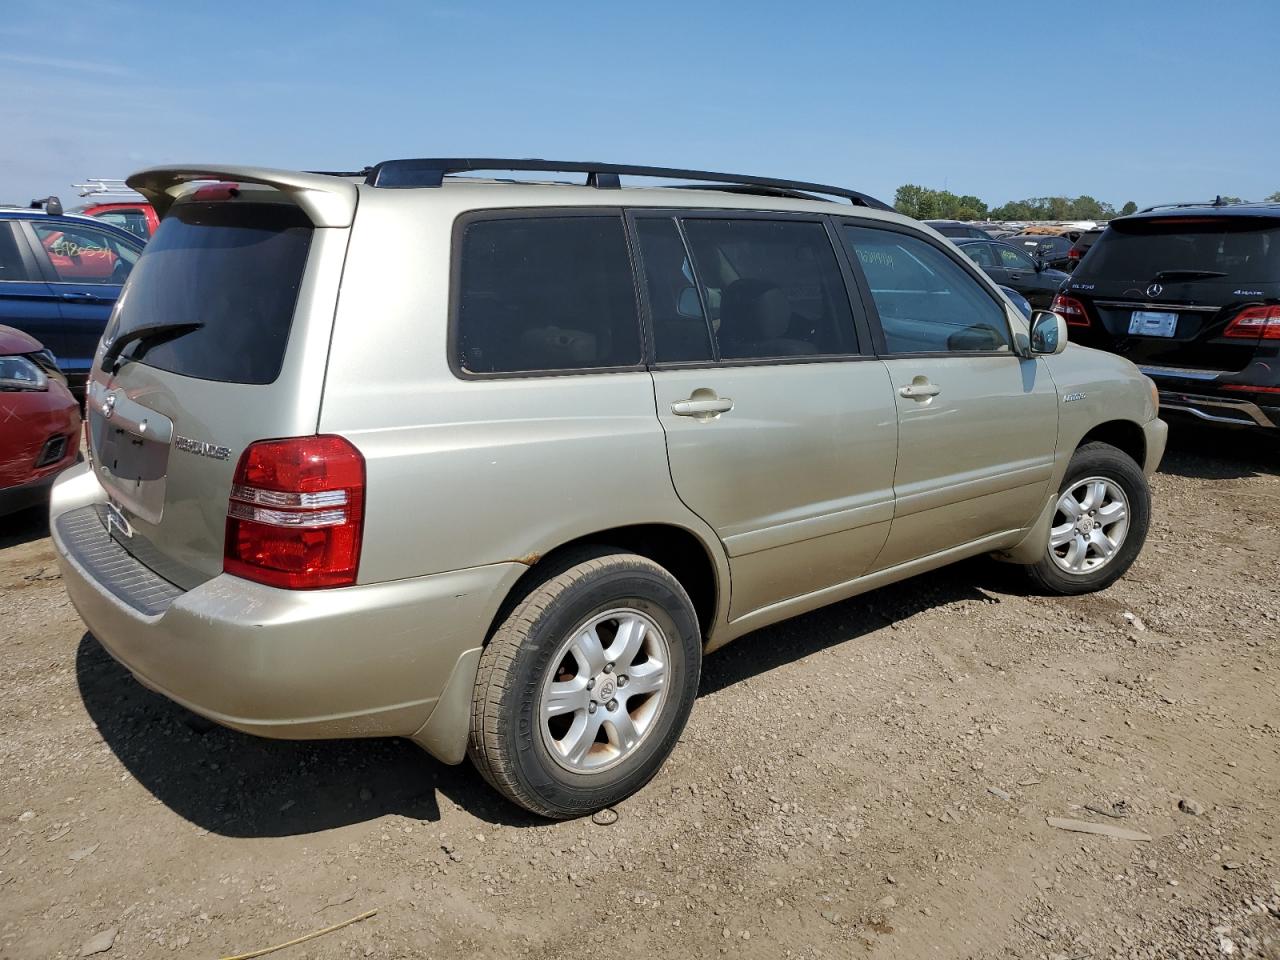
(1215, 202)
(50, 204)
(105, 187)
(430, 172)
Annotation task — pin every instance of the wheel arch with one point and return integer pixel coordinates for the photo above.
(1125, 435)
(684, 554)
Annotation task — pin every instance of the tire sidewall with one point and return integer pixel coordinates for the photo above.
(597, 593)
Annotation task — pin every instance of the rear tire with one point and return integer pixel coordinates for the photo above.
(586, 686)
(1107, 493)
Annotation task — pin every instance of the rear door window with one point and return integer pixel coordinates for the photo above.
(1243, 250)
(681, 333)
(771, 288)
(84, 254)
(545, 294)
(233, 268)
(927, 302)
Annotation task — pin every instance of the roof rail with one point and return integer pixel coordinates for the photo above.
(104, 187)
(430, 172)
(1215, 202)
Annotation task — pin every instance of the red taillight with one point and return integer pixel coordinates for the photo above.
(1074, 254)
(1071, 309)
(296, 513)
(1253, 323)
(217, 191)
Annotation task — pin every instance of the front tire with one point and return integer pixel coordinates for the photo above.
(586, 686)
(1099, 525)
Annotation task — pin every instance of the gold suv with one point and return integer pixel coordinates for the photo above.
(493, 464)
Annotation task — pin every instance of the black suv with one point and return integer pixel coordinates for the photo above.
(1190, 293)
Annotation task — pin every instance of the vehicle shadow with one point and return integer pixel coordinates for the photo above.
(1204, 453)
(851, 620)
(237, 785)
(24, 526)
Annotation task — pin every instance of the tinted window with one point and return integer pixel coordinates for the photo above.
(546, 293)
(1014, 259)
(1244, 250)
(979, 253)
(773, 288)
(233, 267)
(80, 254)
(133, 220)
(927, 302)
(680, 330)
(11, 266)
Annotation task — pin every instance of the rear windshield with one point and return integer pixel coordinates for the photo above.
(1244, 250)
(235, 268)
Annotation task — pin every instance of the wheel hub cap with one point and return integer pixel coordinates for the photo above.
(605, 687)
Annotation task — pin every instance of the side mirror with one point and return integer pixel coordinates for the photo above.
(1048, 333)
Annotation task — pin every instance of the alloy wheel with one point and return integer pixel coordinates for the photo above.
(607, 685)
(1089, 525)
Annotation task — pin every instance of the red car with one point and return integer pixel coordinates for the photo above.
(39, 421)
(139, 218)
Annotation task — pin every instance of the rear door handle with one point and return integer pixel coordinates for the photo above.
(702, 408)
(921, 390)
(82, 297)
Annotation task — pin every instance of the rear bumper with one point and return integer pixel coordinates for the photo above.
(1219, 409)
(1198, 394)
(370, 660)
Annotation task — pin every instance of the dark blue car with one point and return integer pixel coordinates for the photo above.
(60, 276)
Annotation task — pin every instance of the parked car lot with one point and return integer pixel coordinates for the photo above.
(62, 274)
(1007, 265)
(1190, 293)
(830, 796)
(1053, 252)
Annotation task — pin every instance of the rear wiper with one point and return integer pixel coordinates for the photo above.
(1188, 275)
(149, 334)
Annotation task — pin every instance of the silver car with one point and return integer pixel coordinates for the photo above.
(493, 464)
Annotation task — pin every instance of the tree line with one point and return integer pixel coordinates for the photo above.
(925, 203)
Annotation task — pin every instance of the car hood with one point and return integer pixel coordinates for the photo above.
(15, 341)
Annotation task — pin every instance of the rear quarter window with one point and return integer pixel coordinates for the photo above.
(544, 294)
(234, 268)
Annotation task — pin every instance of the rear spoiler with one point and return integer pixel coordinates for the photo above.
(329, 201)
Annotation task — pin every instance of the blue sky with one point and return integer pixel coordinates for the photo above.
(1123, 100)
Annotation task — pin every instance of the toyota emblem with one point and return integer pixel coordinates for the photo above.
(108, 407)
(1155, 290)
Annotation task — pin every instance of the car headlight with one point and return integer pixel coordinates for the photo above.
(19, 373)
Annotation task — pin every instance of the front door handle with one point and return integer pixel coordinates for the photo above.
(703, 405)
(82, 297)
(919, 389)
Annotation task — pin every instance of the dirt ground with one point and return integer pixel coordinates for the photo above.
(872, 780)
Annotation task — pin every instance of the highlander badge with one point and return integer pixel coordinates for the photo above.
(202, 448)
